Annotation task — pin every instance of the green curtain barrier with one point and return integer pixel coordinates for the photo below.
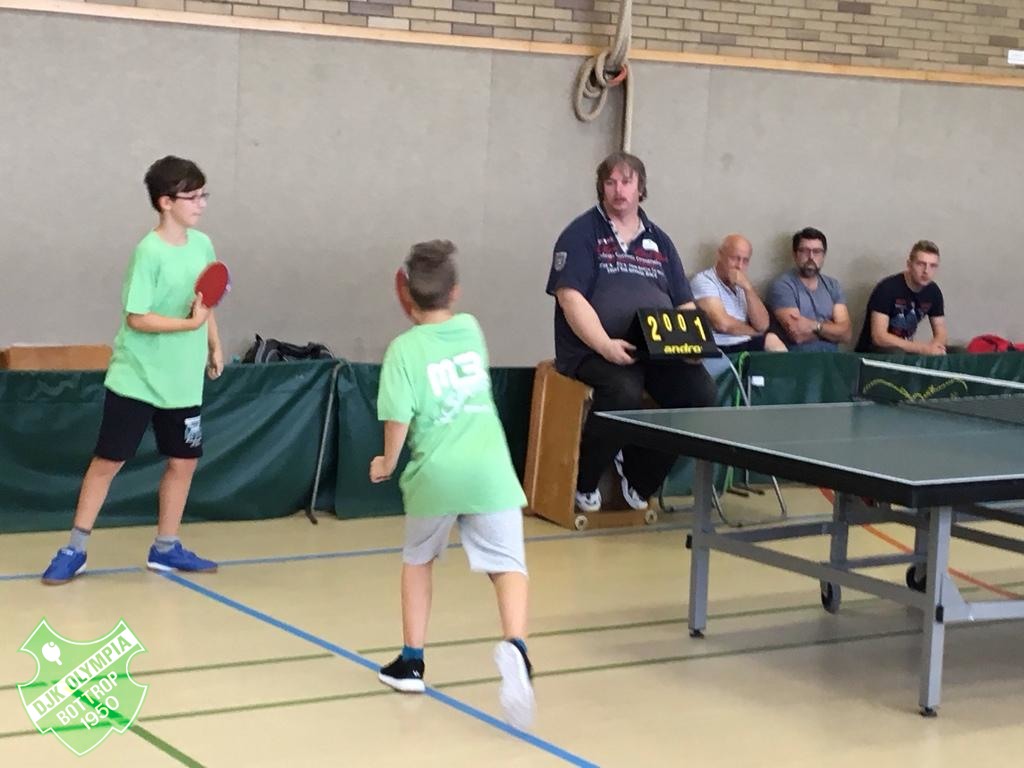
(261, 427)
(360, 436)
(831, 377)
(804, 377)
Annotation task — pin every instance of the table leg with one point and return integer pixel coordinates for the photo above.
(700, 555)
(840, 540)
(933, 641)
(839, 544)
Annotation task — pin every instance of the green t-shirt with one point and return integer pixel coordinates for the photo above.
(435, 378)
(163, 369)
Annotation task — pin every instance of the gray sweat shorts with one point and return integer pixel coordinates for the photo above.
(493, 540)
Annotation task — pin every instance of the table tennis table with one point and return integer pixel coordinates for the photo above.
(934, 468)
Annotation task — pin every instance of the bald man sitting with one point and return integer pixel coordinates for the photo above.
(737, 314)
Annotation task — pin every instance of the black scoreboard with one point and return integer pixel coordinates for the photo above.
(673, 334)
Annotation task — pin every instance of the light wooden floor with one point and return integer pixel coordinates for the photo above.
(262, 663)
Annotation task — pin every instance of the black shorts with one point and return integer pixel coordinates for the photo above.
(178, 431)
(753, 344)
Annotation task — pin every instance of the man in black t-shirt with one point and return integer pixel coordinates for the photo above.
(901, 301)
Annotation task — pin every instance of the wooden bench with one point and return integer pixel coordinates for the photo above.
(76, 357)
(557, 413)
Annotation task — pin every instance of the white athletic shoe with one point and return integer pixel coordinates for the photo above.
(588, 502)
(634, 499)
(516, 694)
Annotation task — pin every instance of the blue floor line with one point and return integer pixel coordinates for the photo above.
(368, 552)
(91, 571)
(362, 661)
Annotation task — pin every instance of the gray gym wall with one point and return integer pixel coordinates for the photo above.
(327, 158)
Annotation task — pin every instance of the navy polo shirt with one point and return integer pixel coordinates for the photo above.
(589, 258)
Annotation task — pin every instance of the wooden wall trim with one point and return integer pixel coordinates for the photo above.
(79, 8)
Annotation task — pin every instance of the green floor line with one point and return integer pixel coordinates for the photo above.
(456, 643)
(147, 736)
(540, 674)
(616, 627)
(269, 705)
(232, 664)
(657, 622)
(142, 675)
(495, 638)
(196, 668)
(238, 708)
(163, 746)
(692, 657)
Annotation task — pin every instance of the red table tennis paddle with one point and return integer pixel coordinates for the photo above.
(402, 290)
(213, 282)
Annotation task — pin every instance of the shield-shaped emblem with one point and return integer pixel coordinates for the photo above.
(82, 691)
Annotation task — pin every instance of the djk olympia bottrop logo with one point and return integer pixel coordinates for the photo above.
(82, 692)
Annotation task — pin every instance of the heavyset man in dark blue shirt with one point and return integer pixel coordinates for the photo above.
(608, 263)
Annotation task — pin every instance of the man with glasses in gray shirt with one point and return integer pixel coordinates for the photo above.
(808, 308)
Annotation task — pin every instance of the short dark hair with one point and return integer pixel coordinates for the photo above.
(810, 233)
(613, 161)
(432, 273)
(170, 176)
(925, 246)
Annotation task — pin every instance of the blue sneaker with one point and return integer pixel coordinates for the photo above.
(66, 564)
(178, 559)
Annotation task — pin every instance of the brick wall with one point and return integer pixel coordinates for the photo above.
(938, 35)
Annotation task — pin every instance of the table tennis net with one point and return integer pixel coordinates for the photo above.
(948, 391)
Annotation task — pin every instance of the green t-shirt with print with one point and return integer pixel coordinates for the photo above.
(435, 377)
(163, 369)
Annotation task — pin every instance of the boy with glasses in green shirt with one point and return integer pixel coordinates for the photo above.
(166, 341)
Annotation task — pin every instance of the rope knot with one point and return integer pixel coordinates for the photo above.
(604, 71)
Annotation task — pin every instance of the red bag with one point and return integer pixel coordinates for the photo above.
(989, 342)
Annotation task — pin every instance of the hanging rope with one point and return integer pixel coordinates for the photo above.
(606, 70)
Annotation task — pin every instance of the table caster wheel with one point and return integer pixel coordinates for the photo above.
(929, 712)
(697, 634)
(917, 579)
(831, 596)
(651, 516)
(580, 523)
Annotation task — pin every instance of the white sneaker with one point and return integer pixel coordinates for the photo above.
(617, 461)
(589, 502)
(634, 499)
(516, 694)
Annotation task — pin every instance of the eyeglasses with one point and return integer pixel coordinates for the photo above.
(204, 196)
(811, 251)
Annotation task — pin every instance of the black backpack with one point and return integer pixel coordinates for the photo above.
(272, 351)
